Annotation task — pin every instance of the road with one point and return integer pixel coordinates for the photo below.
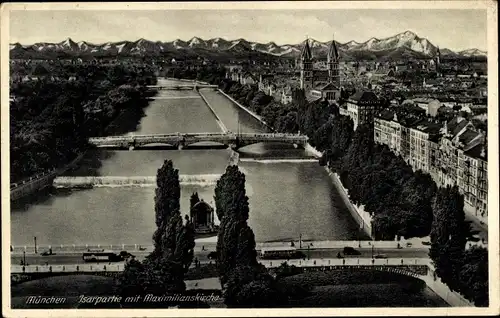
(76, 258)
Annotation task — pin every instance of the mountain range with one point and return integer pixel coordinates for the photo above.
(405, 44)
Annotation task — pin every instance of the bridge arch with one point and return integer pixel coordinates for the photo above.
(204, 143)
(19, 278)
(155, 144)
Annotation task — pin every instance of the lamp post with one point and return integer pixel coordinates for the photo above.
(24, 258)
(372, 250)
(35, 244)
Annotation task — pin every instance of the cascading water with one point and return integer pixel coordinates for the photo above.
(130, 181)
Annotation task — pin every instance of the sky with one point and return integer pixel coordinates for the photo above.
(453, 29)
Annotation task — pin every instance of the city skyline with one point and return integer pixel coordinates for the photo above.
(279, 26)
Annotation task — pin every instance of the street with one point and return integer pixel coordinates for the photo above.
(76, 258)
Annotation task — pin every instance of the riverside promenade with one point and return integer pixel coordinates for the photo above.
(210, 243)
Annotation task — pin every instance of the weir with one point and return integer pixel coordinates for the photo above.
(175, 97)
(129, 181)
(291, 160)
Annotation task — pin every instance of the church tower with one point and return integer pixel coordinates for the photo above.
(306, 67)
(333, 65)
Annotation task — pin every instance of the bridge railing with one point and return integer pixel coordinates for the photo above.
(75, 248)
(117, 267)
(406, 245)
(348, 262)
(274, 135)
(32, 178)
(69, 268)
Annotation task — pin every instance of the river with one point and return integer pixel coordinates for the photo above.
(287, 199)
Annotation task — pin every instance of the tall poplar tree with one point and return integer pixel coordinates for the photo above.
(236, 241)
(167, 205)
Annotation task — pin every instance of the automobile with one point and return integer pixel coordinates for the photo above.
(46, 253)
(298, 254)
(409, 245)
(351, 251)
(426, 243)
(212, 255)
(380, 256)
(125, 254)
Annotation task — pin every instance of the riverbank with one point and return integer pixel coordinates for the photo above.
(358, 213)
(39, 183)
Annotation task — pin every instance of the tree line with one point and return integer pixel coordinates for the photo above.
(52, 117)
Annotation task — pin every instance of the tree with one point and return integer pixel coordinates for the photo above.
(230, 195)
(167, 197)
(448, 235)
(287, 123)
(185, 244)
(130, 281)
(236, 241)
(193, 200)
(251, 287)
(474, 276)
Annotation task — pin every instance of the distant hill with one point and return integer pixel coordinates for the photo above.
(406, 44)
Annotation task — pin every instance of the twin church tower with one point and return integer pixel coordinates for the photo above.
(309, 78)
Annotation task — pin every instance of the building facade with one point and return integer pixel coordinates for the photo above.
(362, 107)
(453, 154)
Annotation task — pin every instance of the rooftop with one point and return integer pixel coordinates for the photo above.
(478, 152)
(467, 136)
(364, 97)
(386, 114)
(456, 125)
(424, 100)
(428, 127)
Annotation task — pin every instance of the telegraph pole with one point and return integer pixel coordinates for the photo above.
(35, 244)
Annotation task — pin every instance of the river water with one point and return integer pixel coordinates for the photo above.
(287, 199)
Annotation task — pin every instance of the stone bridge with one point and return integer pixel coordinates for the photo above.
(182, 86)
(179, 141)
(415, 267)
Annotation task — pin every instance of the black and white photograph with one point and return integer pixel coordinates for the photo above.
(257, 158)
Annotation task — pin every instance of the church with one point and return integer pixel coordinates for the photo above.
(320, 84)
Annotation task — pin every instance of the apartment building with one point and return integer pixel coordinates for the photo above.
(454, 154)
(362, 107)
(423, 145)
(448, 150)
(473, 179)
(388, 130)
